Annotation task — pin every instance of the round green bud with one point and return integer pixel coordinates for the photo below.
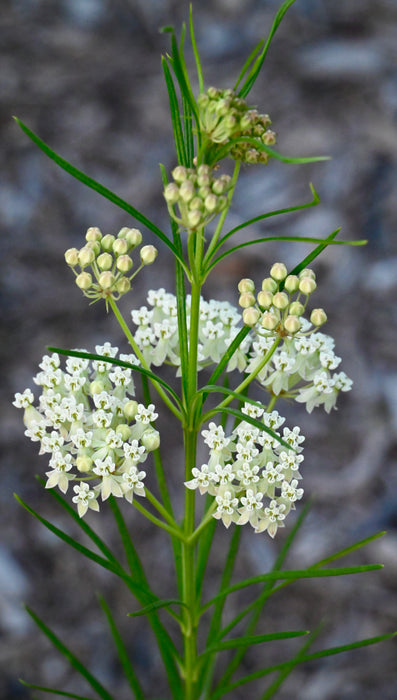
(130, 409)
(269, 321)
(251, 316)
(246, 121)
(318, 317)
(278, 272)
(246, 300)
(194, 218)
(269, 285)
(95, 246)
(151, 440)
(196, 203)
(307, 285)
(265, 299)
(307, 273)
(107, 242)
(93, 234)
(186, 190)
(124, 263)
(246, 285)
(291, 283)
(106, 279)
(133, 237)
(269, 137)
(171, 193)
(280, 300)
(72, 256)
(84, 463)
(123, 285)
(179, 173)
(124, 431)
(120, 246)
(86, 256)
(96, 387)
(204, 171)
(123, 232)
(218, 186)
(292, 324)
(204, 192)
(211, 202)
(148, 254)
(296, 308)
(252, 156)
(84, 280)
(105, 261)
(213, 92)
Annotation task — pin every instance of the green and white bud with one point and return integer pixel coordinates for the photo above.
(269, 285)
(107, 242)
(105, 261)
(86, 256)
(307, 285)
(269, 137)
(307, 273)
(251, 316)
(194, 218)
(179, 173)
(123, 285)
(171, 193)
(186, 190)
(84, 463)
(246, 285)
(278, 272)
(130, 409)
(265, 299)
(124, 263)
(269, 321)
(93, 234)
(211, 202)
(84, 280)
(296, 308)
(196, 203)
(124, 431)
(106, 280)
(280, 300)
(96, 387)
(123, 232)
(133, 237)
(72, 257)
(246, 300)
(318, 317)
(218, 186)
(151, 440)
(120, 246)
(148, 254)
(292, 324)
(291, 283)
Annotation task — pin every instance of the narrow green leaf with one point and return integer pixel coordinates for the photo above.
(234, 345)
(251, 640)
(294, 575)
(179, 67)
(349, 550)
(188, 130)
(122, 652)
(195, 50)
(254, 72)
(175, 115)
(248, 62)
(73, 660)
(53, 691)
(315, 253)
(90, 182)
(242, 416)
(156, 606)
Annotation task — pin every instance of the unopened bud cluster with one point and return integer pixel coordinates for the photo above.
(225, 116)
(103, 265)
(281, 302)
(198, 194)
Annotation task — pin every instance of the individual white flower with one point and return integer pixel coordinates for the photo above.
(58, 476)
(293, 438)
(133, 483)
(85, 498)
(102, 401)
(201, 479)
(23, 400)
(52, 442)
(290, 491)
(106, 349)
(252, 410)
(50, 363)
(145, 414)
(251, 504)
(37, 431)
(248, 474)
(110, 483)
(226, 509)
(102, 419)
(342, 382)
(81, 439)
(274, 516)
(215, 437)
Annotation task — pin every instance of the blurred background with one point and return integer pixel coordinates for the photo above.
(86, 76)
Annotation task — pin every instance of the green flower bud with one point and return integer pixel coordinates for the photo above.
(72, 256)
(278, 272)
(307, 285)
(124, 263)
(95, 246)
(130, 409)
(251, 316)
(211, 202)
(318, 317)
(269, 285)
(148, 254)
(194, 218)
(84, 463)
(269, 137)
(105, 261)
(151, 440)
(86, 256)
(246, 300)
(296, 308)
(291, 284)
(133, 237)
(124, 431)
(96, 387)
(179, 173)
(186, 191)
(196, 203)
(265, 299)
(292, 324)
(252, 156)
(123, 232)
(171, 193)
(204, 171)
(107, 242)
(218, 186)
(84, 280)
(106, 280)
(307, 273)
(123, 285)
(246, 285)
(280, 300)
(213, 92)
(269, 321)
(120, 246)
(93, 234)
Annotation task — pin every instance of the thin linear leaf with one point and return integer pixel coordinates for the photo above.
(175, 114)
(188, 130)
(349, 550)
(94, 185)
(119, 363)
(242, 416)
(314, 254)
(307, 657)
(156, 606)
(54, 691)
(248, 62)
(251, 640)
(122, 653)
(294, 575)
(195, 50)
(254, 72)
(73, 660)
(234, 345)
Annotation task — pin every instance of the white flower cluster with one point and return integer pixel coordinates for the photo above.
(157, 334)
(252, 475)
(95, 432)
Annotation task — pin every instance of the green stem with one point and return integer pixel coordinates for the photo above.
(218, 230)
(156, 521)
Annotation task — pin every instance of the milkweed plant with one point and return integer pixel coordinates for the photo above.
(94, 413)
